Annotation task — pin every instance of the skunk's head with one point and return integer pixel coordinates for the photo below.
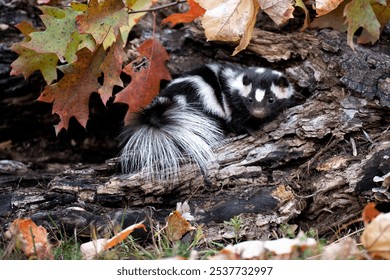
(266, 92)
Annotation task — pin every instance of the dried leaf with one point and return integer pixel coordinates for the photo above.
(255, 249)
(146, 73)
(30, 238)
(70, 96)
(359, 13)
(279, 11)
(177, 226)
(345, 249)
(103, 21)
(335, 19)
(194, 12)
(324, 7)
(231, 20)
(92, 249)
(112, 68)
(376, 236)
(369, 213)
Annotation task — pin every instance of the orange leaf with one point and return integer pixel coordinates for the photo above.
(177, 226)
(31, 238)
(146, 73)
(369, 212)
(91, 249)
(70, 96)
(194, 12)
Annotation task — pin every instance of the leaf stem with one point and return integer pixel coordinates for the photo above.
(158, 7)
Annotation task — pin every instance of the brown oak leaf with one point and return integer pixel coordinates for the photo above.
(70, 96)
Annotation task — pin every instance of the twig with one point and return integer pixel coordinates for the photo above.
(158, 7)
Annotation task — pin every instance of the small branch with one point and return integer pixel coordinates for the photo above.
(158, 7)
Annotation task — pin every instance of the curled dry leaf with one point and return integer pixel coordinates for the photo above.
(177, 226)
(278, 10)
(323, 7)
(230, 21)
(376, 236)
(92, 249)
(30, 238)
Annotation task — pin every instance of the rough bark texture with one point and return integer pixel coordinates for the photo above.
(313, 166)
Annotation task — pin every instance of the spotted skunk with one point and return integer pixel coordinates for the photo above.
(193, 113)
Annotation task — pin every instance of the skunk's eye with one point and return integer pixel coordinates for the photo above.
(271, 100)
(282, 82)
(250, 100)
(245, 80)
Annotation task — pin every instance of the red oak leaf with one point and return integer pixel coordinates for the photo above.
(146, 73)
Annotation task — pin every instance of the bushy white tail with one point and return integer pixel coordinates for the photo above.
(164, 135)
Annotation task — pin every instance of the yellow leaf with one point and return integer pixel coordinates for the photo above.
(376, 236)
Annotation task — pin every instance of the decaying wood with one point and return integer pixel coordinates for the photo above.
(314, 165)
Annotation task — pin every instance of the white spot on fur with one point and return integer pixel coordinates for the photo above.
(277, 73)
(259, 95)
(237, 84)
(282, 92)
(180, 99)
(226, 107)
(215, 68)
(260, 70)
(206, 94)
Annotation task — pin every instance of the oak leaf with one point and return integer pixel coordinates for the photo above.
(359, 13)
(112, 68)
(195, 11)
(146, 73)
(30, 61)
(30, 238)
(231, 20)
(134, 17)
(103, 21)
(70, 96)
(334, 19)
(278, 10)
(60, 24)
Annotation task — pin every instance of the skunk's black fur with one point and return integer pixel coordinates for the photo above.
(190, 116)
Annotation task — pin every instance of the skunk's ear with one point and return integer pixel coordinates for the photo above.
(245, 80)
